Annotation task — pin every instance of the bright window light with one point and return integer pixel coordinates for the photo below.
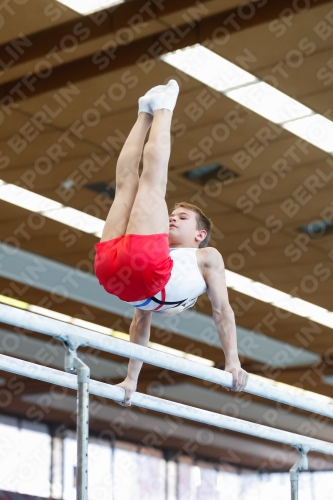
(269, 102)
(213, 70)
(26, 199)
(75, 218)
(89, 6)
(316, 130)
(208, 67)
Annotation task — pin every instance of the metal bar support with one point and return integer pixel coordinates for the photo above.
(300, 465)
(74, 363)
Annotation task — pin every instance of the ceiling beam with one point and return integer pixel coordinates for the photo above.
(146, 48)
(88, 28)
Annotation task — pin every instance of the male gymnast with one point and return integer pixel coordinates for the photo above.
(156, 262)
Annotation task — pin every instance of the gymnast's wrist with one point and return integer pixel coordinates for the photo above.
(232, 361)
(132, 378)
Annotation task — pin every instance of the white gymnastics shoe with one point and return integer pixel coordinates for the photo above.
(165, 97)
(144, 106)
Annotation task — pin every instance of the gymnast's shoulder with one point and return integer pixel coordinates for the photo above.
(210, 258)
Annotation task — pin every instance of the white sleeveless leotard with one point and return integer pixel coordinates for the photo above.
(185, 285)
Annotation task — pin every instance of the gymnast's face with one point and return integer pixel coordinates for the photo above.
(183, 230)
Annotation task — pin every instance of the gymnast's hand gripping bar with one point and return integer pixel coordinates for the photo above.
(55, 328)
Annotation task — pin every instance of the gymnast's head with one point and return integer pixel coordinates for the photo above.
(188, 226)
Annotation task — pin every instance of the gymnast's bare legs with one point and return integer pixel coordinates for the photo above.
(139, 206)
(127, 178)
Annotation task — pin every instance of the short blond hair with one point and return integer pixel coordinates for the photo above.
(203, 222)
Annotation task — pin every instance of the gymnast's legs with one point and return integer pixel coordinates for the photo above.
(139, 206)
(149, 214)
(127, 179)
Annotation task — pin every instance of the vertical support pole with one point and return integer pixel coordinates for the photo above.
(294, 484)
(74, 363)
(171, 474)
(83, 374)
(301, 464)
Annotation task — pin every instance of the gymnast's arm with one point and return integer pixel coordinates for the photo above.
(223, 315)
(139, 334)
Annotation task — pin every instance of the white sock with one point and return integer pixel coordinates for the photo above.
(144, 106)
(164, 98)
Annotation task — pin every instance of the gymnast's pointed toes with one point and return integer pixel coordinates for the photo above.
(165, 99)
(144, 106)
(156, 90)
(172, 83)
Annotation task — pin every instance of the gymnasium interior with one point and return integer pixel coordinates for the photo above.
(251, 146)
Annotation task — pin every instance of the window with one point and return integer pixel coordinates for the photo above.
(188, 479)
(126, 472)
(25, 457)
(208, 483)
(99, 467)
(152, 474)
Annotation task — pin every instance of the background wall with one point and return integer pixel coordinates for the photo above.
(34, 462)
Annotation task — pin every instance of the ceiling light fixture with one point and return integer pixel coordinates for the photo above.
(315, 129)
(209, 68)
(226, 77)
(75, 218)
(26, 199)
(49, 208)
(89, 6)
(279, 299)
(269, 102)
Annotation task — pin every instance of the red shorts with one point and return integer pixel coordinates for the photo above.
(134, 266)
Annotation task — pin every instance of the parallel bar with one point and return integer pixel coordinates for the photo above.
(53, 327)
(36, 322)
(57, 377)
